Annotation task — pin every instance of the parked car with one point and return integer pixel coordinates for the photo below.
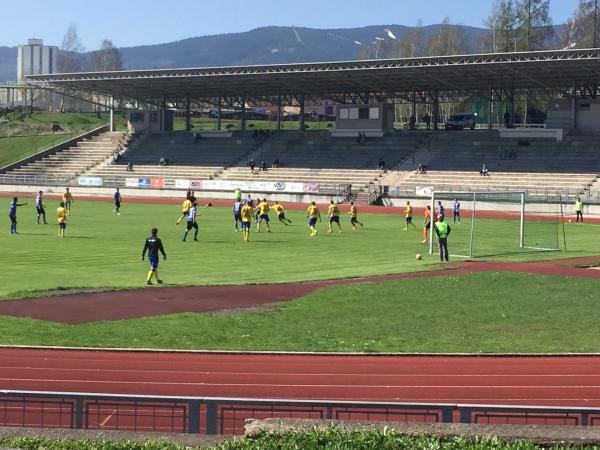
(461, 121)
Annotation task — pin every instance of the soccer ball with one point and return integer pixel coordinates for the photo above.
(570, 221)
(418, 256)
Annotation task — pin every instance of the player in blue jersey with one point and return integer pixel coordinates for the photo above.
(153, 245)
(117, 200)
(237, 214)
(12, 214)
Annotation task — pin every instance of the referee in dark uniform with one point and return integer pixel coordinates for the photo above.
(153, 246)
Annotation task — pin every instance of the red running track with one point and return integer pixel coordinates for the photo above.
(560, 380)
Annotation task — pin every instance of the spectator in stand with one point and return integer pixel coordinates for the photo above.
(263, 165)
(422, 169)
(427, 120)
(129, 166)
(381, 164)
(252, 165)
(484, 172)
(275, 164)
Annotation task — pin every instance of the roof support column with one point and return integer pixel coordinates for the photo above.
(219, 110)
(413, 111)
(112, 114)
(279, 107)
(301, 100)
(162, 115)
(243, 116)
(436, 109)
(188, 115)
(491, 109)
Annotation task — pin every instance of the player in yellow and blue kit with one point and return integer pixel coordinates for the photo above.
(61, 218)
(263, 214)
(246, 217)
(354, 216)
(333, 214)
(280, 210)
(313, 213)
(68, 200)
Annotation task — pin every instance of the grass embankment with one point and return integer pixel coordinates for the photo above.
(30, 135)
(472, 313)
(305, 440)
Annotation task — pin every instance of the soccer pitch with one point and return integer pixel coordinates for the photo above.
(102, 250)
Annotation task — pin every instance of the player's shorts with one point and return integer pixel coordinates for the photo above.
(62, 226)
(312, 221)
(427, 225)
(281, 216)
(245, 226)
(40, 210)
(237, 217)
(190, 225)
(353, 220)
(13, 219)
(67, 205)
(117, 204)
(334, 219)
(153, 260)
(264, 217)
(185, 213)
(408, 219)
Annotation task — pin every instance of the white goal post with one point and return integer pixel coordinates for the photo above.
(512, 202)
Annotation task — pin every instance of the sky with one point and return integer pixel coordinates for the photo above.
(142, 22)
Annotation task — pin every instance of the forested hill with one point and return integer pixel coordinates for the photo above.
(268, 45)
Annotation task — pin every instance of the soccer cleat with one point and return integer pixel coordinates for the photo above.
(195, 239)
(149, 283)
(159, 281)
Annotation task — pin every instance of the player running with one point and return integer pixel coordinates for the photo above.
(185, 208)
(117, 200)
(246, 213)
(191, 222)
(313, 213)
(40, 208)
(408, 213)
(354, 216)
(237, 214)
(426, 224)
(68, 201)
(263, 214)
(333, 216)
(61, 218)
(153, 245)
(280, 210)
(12, 214)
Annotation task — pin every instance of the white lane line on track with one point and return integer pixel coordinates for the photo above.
(353, 386)
(300, 374)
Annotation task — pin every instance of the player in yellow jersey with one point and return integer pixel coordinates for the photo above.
(61, 218)
(354, 216)
(185, 209)
(408, 212)
(313, 213)
(333, 216)
(263, 214)
(280, 210)
(67, 200)
(246, 213)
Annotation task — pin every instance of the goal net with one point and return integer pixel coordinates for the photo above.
(498, 223)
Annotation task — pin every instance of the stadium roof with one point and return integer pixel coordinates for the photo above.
(557, 69)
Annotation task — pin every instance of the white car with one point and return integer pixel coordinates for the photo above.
(461, 121)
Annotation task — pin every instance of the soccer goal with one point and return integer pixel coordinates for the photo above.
(498, 223)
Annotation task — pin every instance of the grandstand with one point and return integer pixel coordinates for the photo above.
(71, 162)
(542, 167)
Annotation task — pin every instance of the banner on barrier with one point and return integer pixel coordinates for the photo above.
(182, 184)
(89, 181)
(258, 186)
(132, 182)
(144, 183)
(157, 183)
(423, 191)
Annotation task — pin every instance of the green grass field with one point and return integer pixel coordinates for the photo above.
(519, 312)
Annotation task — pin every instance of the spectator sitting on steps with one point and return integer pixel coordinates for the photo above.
(129, 166)
(252, 165)
(381, 164)
(163, 161)
(275, 164)
(422, 169)
(263, 165)
(484, 172)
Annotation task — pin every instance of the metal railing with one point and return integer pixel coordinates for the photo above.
(210, 415)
